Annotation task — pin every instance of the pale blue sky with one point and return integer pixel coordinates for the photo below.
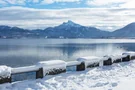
(57, 4)
(32, 14)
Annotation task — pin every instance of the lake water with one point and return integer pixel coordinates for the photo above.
(23, 52)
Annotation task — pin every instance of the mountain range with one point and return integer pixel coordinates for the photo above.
(67, 30)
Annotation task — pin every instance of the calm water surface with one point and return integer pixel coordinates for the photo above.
(23, 52)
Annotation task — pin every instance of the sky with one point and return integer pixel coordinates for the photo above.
(39, 14)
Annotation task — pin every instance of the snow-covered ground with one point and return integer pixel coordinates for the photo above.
(119, 76)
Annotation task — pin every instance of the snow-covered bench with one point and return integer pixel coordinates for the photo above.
(93, 61)
(125, 58)
(115, 58)
(5, 74)
(41, 69)
(52, 67)
(131, 54)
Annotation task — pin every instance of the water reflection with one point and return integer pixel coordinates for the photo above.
(14, 54)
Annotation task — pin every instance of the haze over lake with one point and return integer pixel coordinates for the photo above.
(23, 52)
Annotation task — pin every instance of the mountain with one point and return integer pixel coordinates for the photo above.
(14, 32)
(67, 30)
(126, 32)
(69, 24)
(72, 30)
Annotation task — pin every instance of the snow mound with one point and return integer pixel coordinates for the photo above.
(5, 72)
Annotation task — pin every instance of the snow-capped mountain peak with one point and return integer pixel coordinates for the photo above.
(70, 23)
(131, 25)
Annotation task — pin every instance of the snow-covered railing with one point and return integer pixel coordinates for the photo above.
(73, 63)
(24, 69)
(53, 67)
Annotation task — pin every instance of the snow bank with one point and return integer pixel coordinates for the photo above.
(52, 66)
(5, 72)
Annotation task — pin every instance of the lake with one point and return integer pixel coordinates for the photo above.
(23, 52)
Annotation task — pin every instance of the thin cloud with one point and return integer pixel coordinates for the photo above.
(23, 2)
(111, 3)
(2, 3)
(58, 1)
(103, 18)
(15, 2)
